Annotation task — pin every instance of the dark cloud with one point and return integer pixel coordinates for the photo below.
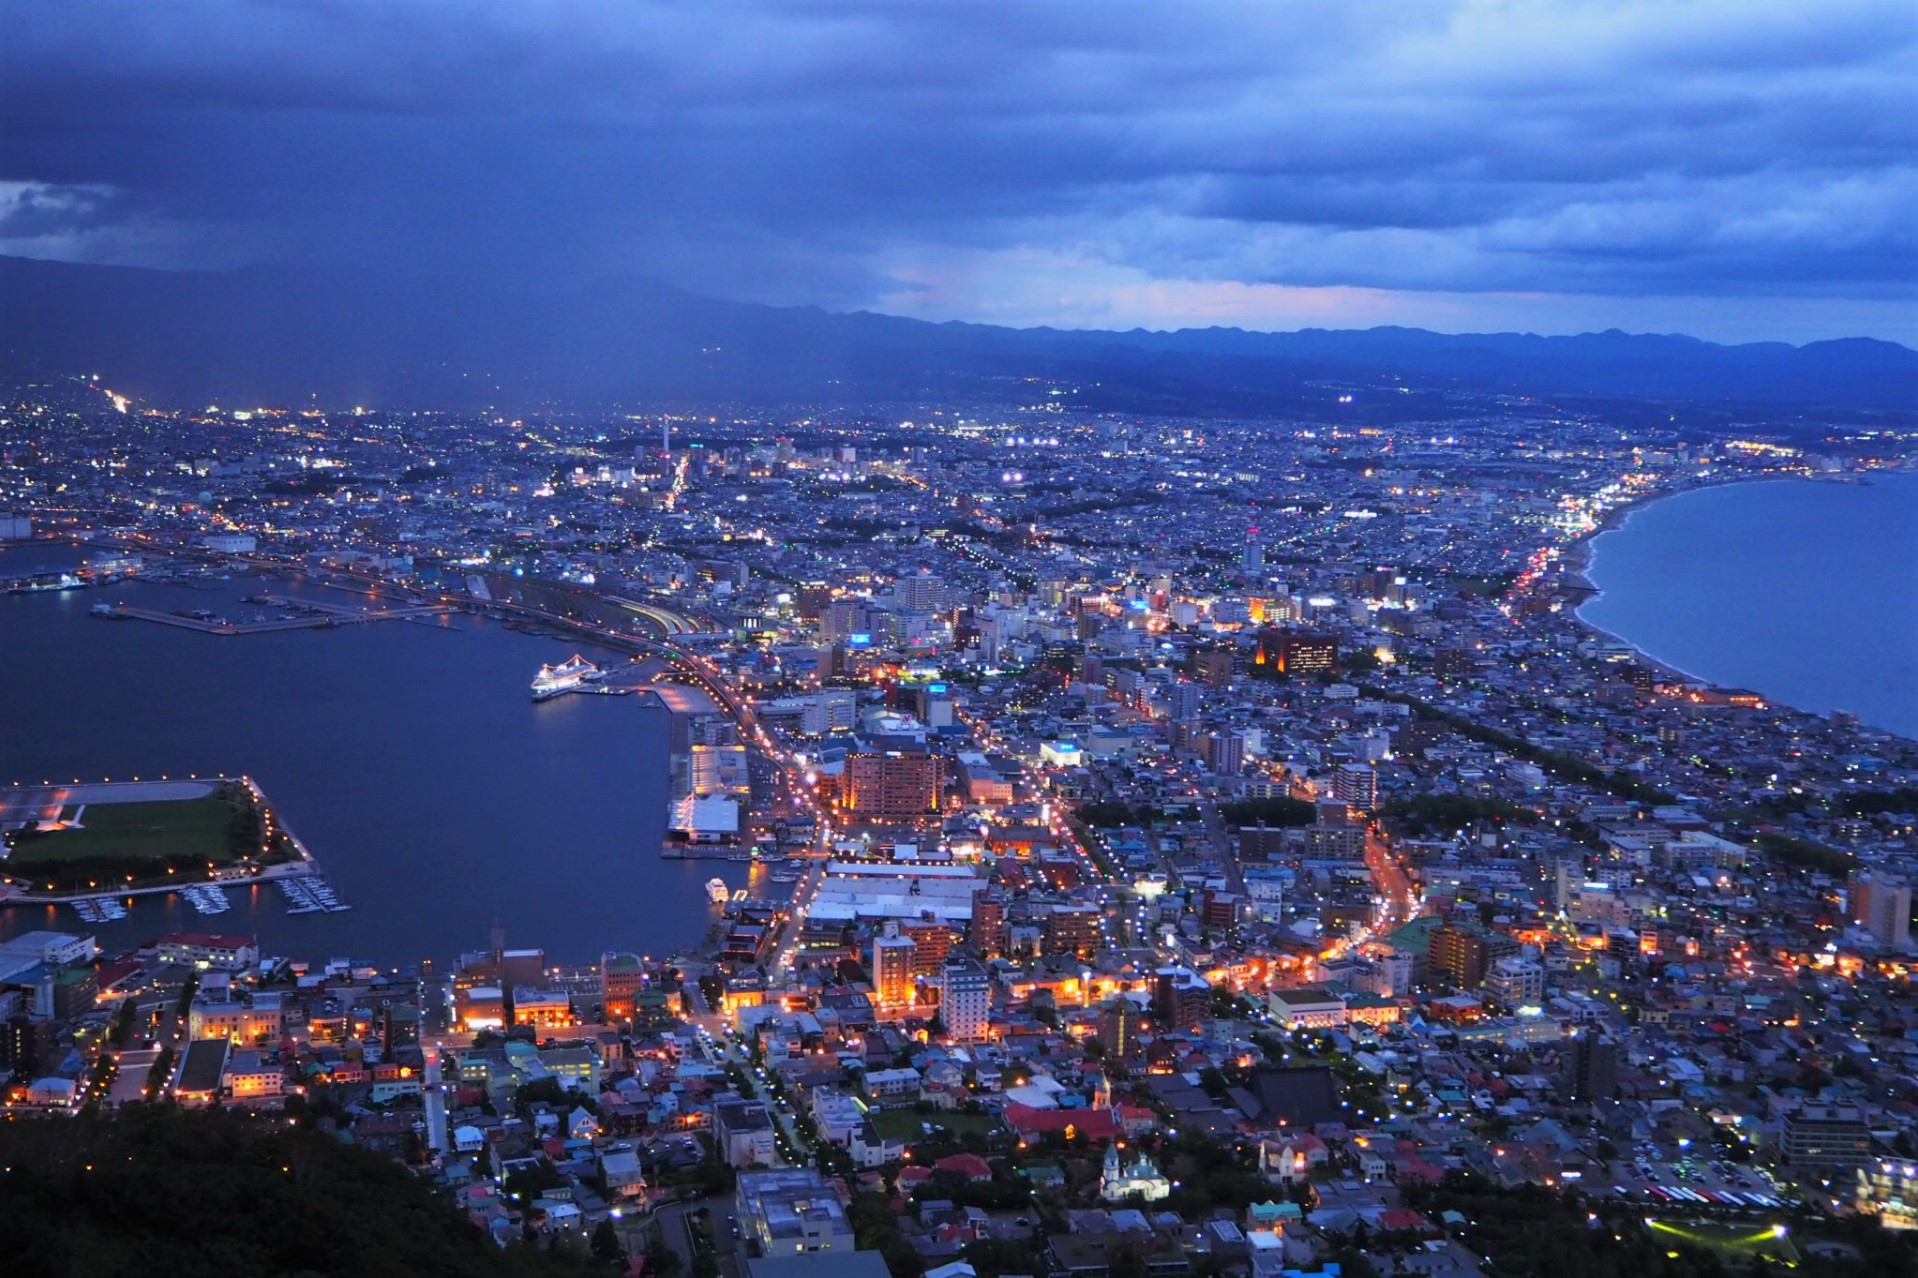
(1511, 157)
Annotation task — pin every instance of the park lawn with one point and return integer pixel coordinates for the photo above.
(196, 829)
(904, 1124)
(1733, 1242)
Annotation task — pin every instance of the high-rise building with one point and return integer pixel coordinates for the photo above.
(1591, 1068)
(1458, 957)
(1881, 903)
(1293, 652)
(1356, 785)
(922, 592)
(1120, 1025)
(1213, 666)
(932, 940)
(1181, 998)
(1182, 701)
(1225, 753)
(965, 999)
(1072, 929)
(892, 785)
(620, 978)
(812, 600)
(987, 934)
(893, 969)
(1252, 558)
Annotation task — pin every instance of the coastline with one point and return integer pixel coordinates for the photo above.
(1578, 557)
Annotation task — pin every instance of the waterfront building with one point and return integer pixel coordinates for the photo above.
(621, 978)
(207, 951)
(851, 891)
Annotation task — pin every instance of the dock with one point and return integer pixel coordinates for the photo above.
(318, 617)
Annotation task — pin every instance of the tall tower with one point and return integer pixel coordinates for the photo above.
(1252, 559)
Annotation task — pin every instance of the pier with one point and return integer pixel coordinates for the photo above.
(318, 617)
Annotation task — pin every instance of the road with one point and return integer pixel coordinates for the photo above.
(1398, 895)
(724, 1053)
(434, 1094)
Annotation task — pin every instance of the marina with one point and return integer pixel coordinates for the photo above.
(207, 899)
(310, 894)
(99, 909)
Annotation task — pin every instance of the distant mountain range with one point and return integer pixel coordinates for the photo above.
(273, 335)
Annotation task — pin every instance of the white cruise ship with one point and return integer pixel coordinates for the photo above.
(553, 680)
(717, 892)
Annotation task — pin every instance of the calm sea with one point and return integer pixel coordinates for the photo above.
(1805, 591)
(437, 796)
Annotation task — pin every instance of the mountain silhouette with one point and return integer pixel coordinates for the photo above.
(292, 336)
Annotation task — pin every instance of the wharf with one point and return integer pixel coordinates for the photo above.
(321, 618)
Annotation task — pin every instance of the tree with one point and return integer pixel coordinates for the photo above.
(1279, 810)
(606, 1243)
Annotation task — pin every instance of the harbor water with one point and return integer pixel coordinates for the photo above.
(409, 756)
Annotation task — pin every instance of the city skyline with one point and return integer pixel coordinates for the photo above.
(852, 639)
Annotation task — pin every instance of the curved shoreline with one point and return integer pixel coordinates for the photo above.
(1579, 557)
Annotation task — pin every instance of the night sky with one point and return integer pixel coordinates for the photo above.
(1735, 170)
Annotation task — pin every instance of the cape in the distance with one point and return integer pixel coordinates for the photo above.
(282, 335)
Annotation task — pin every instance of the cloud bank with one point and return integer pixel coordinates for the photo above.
(1734, 169)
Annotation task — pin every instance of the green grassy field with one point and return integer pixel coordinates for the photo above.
(904, 1124)
(195, 829)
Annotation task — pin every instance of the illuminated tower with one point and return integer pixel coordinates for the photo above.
(1252, 559)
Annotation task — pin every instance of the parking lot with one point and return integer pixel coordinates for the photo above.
(1696, 1181)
